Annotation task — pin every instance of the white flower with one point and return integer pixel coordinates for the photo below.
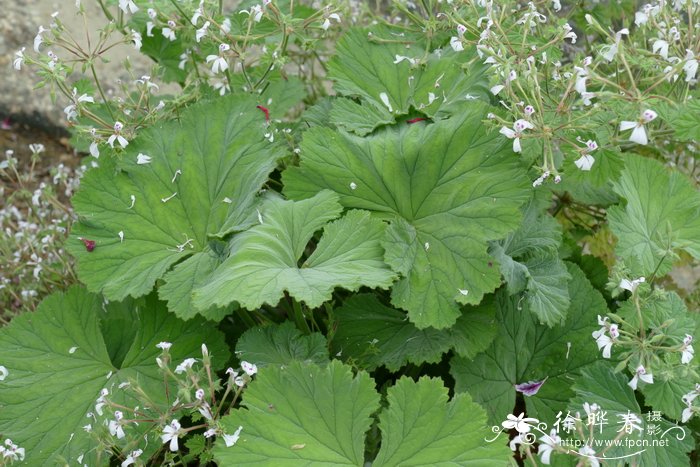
(641, 374)
(136, 39)
(143, 159)
(201, 32)
(556, 6)
(131, 458)
(456, 44)
(631, 285)
(115, 426)
(19, 59)
(609, 51)
(197, 13)
(690, 67)
(230, 440)
(101, 401)
(585, 162)
(604, 342)
(117, 136)
(547, 445)
(639, 134)
(496, 89)
(128, 6)
(249, 368)
(220, 63)
(569, 33)
(169, 32)
(687, 414)
(170, 433)
(518, 127)
(3, 373)
(687, 350)
(660, 46)
(255, 12)
(11, 451)
(38, 39)
(149, 28)
(226, 26)
(162, 345)
(327, 22)
(589, 453)
(515, 442)
(94, 150)
(187, 363)
(520, 423)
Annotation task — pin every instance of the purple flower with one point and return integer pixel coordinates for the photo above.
(530, 388)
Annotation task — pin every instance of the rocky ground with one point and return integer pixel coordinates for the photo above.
(19, 22)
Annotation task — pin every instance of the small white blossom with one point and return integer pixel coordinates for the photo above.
(128, 6)
(639, 134)
(249, 368)
(641, 374)
(585, 162)
(220, 64)
(610, 51)
(164, 345)
(115, 426)
(516, 133)
(131, 458)
(547, 444)
(327, 21)
(39, 39)
(136, 39)
(187, 363)
(117, 136)
(690, 67)
(143, 159)
(631, 285)
(19, 59)
(169, 32)
(201, 32)
(589, 453)
(456, 44)
(687, 350)
(230, 440)
(255, 12)
(3, 373)
(170, 434)
(569, 33)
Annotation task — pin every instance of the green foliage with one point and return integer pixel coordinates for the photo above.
(523, 351)
(441, 214)
(315, 415)
(660, 217)
(264, 262)
(202, 181)
(370, 335)
(379, 204)
(62, 356)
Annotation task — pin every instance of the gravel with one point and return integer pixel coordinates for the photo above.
(19, 23)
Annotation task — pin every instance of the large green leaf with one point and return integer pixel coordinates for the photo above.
(280, 345)
(215, 160)
(370, 334)
(599, 385)
(301, 414)
(62, 356)
(447, 189)
(525, 351)
(661, 215)
(529, 259)
(304, 414)
(390, 78)
(264, 260)
(420, 427)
